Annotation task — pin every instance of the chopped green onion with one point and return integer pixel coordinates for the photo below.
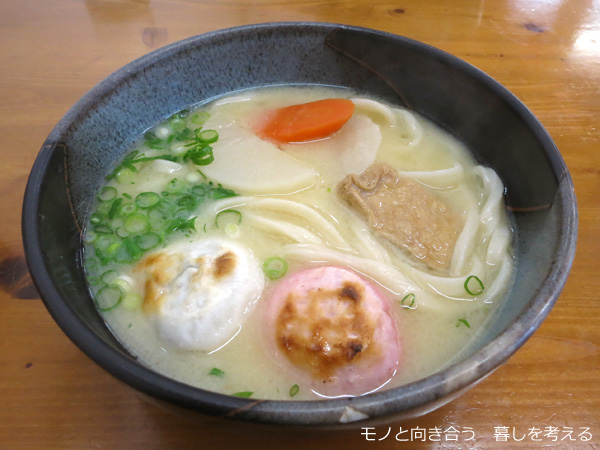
(478, 284)
(108, 298)
(180, 224)
(147, 199)
(122, 232)
(200, 154)
(103, 229)
(127, 208)
(127, 196)
(109, 276)
(408, 298)
(117, 223)
(107, 194)
(228, 216)
(200, 117)
(148, 241)
(104, 242)
(91, 263)
(122, 284)
(275, 267)
(187, 202)
(207, 136)
(131, 301)
(294, 390)
(216, 372)
(174, 185)
(177, 124)
(463, 321)
(137, 223)
(232, 230)
(157, 220)
(114, 207)
(219, 192)
(244, 394)
(93, 280)
(90, 236)
(123, 255)
(133, 250)
(123, 174)
(95, 219)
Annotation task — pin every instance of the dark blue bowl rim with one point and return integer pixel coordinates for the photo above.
(319, 412)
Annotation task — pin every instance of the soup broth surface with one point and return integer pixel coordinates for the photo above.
(437, 313)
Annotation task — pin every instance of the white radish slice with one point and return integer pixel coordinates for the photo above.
(244, 162)
(350, 150)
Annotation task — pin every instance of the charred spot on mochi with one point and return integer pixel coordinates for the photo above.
(224, 265)
(152, 296)
(350, 292)
(161, 269)
(326, 329)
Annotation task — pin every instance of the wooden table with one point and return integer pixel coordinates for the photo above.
(547, 52)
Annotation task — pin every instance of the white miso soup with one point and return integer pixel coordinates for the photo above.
(208, 215)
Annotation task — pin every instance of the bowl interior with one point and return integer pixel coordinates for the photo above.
(496, 127)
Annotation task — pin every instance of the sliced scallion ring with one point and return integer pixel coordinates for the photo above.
(127, 208)
(137, 223)
(473, 285)
(294, 390)
(408, 301)
(117, 223)
(109, 276)
(122, 284)
(232, 230)
(108, 298)
(122, 232)
(200, 117)
(147, 200)
(107, 193)
(177, 124)
(275, 267)
(103, 229)
(157, 220)
(228, 216)
(148, 241)
(90, 236)
(93, 280)
(104, 208)
(174, 185)
(208, 136)
(95, 219)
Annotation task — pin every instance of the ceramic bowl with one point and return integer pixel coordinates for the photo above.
(495, 125)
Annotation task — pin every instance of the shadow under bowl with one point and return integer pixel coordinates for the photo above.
(499, 130)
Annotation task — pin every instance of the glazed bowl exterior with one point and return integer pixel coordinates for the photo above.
(499, 130)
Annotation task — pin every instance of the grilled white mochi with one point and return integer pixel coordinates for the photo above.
(197, 293)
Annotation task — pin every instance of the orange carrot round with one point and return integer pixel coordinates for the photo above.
(307, 121)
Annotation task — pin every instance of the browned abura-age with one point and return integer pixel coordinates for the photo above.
(404, 212)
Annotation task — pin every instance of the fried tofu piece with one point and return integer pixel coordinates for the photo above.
(405, 213)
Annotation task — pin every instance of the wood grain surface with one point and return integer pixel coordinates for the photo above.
(547, 52)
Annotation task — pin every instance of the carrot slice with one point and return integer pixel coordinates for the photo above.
(307, 121)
